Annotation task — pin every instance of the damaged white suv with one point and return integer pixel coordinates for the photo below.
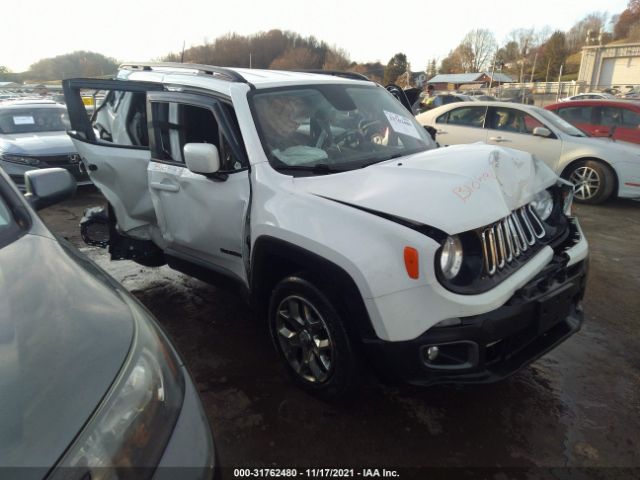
(324, 201)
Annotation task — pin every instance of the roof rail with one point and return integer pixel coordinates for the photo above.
(337, 73)
(231, 75)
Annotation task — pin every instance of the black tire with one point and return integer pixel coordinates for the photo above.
(593, 180)
(338, 379)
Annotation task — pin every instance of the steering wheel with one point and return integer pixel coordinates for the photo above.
(351, 138)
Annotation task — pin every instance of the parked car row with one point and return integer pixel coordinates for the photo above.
(598, 167)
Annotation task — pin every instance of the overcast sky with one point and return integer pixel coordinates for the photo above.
(141, 30)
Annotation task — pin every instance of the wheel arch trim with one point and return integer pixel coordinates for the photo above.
(262, 278)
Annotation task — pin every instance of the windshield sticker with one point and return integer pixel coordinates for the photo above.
(23, 120)
(402, 124)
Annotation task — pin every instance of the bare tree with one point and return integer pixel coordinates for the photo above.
(590, 24)
(478, 48)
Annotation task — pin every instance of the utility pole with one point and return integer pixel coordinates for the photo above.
(559, 82)
(533, 69)
(493, 70)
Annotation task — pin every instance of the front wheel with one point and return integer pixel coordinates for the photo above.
(593, 181)
(308, 333)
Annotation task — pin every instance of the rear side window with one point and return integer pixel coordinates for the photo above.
(609, 116)
(467, 116)
(630, 119)
(576, 115)
(120, 118)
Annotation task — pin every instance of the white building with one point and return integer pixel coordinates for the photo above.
(610, 65)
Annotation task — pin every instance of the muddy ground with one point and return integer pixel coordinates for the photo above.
(578, 406)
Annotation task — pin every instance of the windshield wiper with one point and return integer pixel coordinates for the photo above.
(384, 159)
(320, 168)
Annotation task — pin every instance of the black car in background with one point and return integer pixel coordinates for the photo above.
(517, 95)
(90, 386)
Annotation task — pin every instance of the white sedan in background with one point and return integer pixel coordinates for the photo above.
(589, 96)
(599, 167)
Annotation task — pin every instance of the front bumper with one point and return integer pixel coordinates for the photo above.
(489, 347)
(16, 171)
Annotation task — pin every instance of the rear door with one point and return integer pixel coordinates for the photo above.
(114, 145)
(463, 124)
(511, 127)
(629, 131)
(202, 218)
(626, 123)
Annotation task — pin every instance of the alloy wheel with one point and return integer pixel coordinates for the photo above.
(305, 339)
(586, 182)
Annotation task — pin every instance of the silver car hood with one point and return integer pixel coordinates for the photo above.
(455, 189)
(42, 143)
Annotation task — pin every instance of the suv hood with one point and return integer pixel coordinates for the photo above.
(454, 189)
(44, 143)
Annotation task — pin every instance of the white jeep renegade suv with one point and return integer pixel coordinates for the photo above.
(326, 203)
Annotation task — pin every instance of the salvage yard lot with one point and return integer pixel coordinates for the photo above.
(578, 406)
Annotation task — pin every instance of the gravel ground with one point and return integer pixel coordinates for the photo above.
(578, 406)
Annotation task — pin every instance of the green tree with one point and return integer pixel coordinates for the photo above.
(554, 53)
(396, 67)
(76, 64)
(432, 69)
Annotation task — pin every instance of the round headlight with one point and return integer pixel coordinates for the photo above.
(543, 204)
(451, 257)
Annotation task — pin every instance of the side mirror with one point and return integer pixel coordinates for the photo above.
(542, 132)
(48, 186)
(202, 158)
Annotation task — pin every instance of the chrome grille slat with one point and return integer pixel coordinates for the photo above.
(538, 223)
(519, 234)
(490, 268)
(502, 254)
(528, 229)
(506, 240)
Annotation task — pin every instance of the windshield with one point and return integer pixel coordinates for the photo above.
(560, 123)
(33, 120)
(335, 127)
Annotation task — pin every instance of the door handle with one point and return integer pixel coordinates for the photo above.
(498, 139)
(167, 187)
(440, 132)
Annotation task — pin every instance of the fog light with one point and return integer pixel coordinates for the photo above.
(432, 353)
